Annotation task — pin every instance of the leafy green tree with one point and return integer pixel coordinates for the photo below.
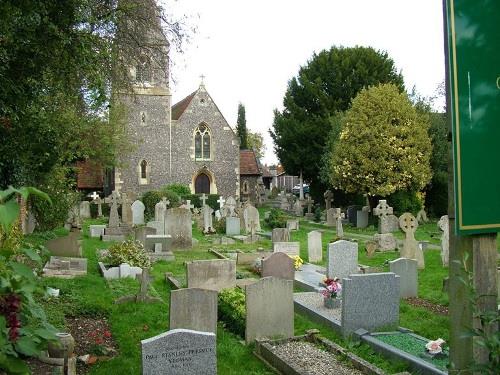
(323, 88)
(241, 127)
(255, 141)
(383, 145)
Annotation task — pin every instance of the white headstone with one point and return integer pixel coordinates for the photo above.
(138, 212)
(314, 246)
(443, 224)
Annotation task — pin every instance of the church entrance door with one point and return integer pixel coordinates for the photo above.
(202, 184)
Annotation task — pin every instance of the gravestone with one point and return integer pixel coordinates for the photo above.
(113, 231)
(142, 295)
(250, 258)
(214, 274)
(157, 225)
(65, 267)
(328, 195)
(67, 246)
(96, 230)
(392, 223)
(370, 301)
(178, 224)
(410, 249)
(382, 211)
(193, 308)
(96, 199)
(297, 208)
(422, 215)
(73, 220)
(180, 352)
(232, 226)
(314, 246)
(138, 212)
(289, 248)
(127, 218)
(85, 210)
(278, 265)
(159, 244)
(140, 234)
(406, 269)
(351, 213)
(280, 235)
(362, 217)
(338, 223)
(161, 210)
(342, 259)
(292, 225)
(208, 225)
(385, 241)
(309, 203)
(443, 225)
(269, 309)
(230, 207)
(330, 217)
(251, 218)
(284, 201)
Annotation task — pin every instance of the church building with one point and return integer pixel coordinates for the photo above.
(189, 142)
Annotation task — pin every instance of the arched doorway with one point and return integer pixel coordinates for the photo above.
(202, 184)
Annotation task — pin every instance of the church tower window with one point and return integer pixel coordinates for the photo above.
(143, 170)
(202, 143)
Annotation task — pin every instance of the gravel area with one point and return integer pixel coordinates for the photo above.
(315, 302)
(435, 308)
(312, 360)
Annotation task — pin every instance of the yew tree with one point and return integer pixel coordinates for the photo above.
(383, 146)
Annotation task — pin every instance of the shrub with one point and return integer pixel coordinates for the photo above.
(274, 192)
(212, 201)
(276, 219)
(179, 189)
(195, 199)
(231, 310)
(130, 252)
(436, 198)
(317, 214)
(404, 201)
(220, 225)
(152, 197)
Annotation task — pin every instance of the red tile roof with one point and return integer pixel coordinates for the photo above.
(179, 108)
(248, 163)
(90, 175)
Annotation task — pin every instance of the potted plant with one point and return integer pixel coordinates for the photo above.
(331, 293)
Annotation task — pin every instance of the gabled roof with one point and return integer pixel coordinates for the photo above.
(248, 163)
(179, 108)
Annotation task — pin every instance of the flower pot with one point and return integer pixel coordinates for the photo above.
(65, 343)
(331, 303)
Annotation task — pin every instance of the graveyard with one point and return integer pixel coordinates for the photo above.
(220, 270)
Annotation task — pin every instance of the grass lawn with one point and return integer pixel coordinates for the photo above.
(93, 296)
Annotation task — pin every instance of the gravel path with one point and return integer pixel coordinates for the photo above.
(315, 302)
(313, 360)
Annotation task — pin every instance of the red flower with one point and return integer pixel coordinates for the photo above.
(99, 341)
(107, 334)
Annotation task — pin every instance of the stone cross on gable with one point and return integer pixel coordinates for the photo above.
(309, 204)
(204, 198)
(189, 206)
(221, 202)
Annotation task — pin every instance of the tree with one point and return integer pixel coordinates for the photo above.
(255, 141)
(383, 145)
(241, 127)
(322, 89)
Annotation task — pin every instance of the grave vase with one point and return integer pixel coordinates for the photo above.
(64, 343)
(331, 303)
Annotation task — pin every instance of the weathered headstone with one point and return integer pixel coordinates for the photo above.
(232, 226)
(193, 308)
(96, 199)
(444, 225)
(351, 214)
(284, 201)
(370, 301)
(140, 234)
(422, 216)
(158, 243)
(410, 249)
(67, 246)
(382, 211)
(214, 274)
(251, 218)
(161, 210)
(113, 228)
(289, 248)
(126, 210)
(342, 259)
(406, 269)
(180, 352)
(392, 223)
(292, 225)
(157, 225)
(338, 223)
(278, 265)
(385, 241)
(362, 217)
(178, 224)
(280, 235)
(96, 230)
(269, 309)
(314, 246)
(298, 208)
(309, 203)
(85, 209)
(64, 267)
(230, 206)
(328, 195)
(138, 212)
(208, 225)
(330, 217)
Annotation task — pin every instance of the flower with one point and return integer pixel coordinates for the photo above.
(333, 288)
(297, 261)
(434, 347)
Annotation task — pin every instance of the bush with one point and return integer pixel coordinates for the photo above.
(212, 201)
(220, 225)
(130, 252)
(276, 219)
(60, 190)
(231, 310)
(274, 192)
(317, 214)
(179, 189)
(404, 201)
(152, 197)
(195, 199)
(436, 198)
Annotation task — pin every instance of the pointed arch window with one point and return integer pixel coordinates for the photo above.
(144, 172)
(202, 143)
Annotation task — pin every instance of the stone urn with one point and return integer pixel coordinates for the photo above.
(331, 303)
(64, 343)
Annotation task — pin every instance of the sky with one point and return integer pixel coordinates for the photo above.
(249, 50)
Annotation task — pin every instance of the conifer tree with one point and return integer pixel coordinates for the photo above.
(241, 127)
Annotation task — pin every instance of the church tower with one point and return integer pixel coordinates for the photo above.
(147, 104)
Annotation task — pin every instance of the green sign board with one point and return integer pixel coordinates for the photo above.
(474, 88)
